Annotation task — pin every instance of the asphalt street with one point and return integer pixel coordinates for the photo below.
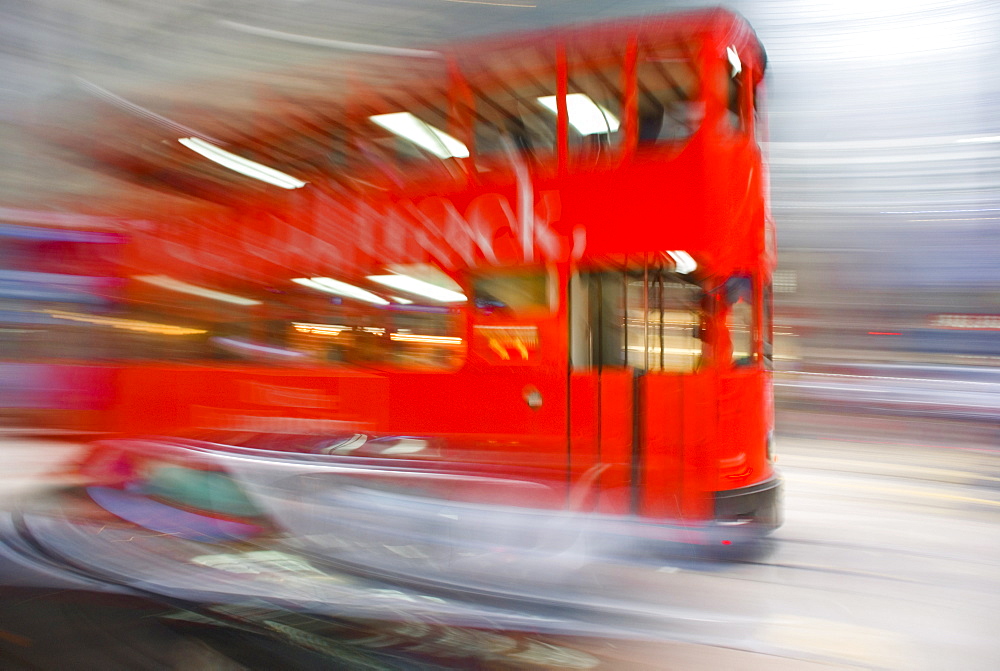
(888, 559)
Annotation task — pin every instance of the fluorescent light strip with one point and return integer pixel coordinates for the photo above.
(734, 61)
(586, 116)
(683, 263)
(419, 287)
(341, 289)
(319, 329)
(244, 166)
(416, 337)
(185, 288)
(422, 134)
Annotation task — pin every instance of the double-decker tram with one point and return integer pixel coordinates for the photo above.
(551, 253)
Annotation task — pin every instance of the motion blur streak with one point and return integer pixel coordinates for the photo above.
(226, 444)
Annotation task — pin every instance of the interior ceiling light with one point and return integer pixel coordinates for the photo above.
(341, 289)
(683, 263)
(422, 134)
(244, 166)
(734, 61)
(418, 337)
(419, 287)
(586, 116)
(185, 288)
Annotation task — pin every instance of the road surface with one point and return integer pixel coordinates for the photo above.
(889, 558)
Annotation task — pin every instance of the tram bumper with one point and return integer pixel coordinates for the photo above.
(757, 508)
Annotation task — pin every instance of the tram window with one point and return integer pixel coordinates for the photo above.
(305, 328)
(647, 320)
(736, 90)
(368, 161)
(410, 331)
(759, 125)
(661, 326)
(514, 121)
(413, 137)
(768, 325)
(739, 296)
(338, 149)
(512, 293)
(38, 338)
(596, 319)
(429, 337)
(162, 336)
(594, 107)
(668, 90)
(412, 336)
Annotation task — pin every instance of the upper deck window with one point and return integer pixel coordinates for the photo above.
(509, 126)
(738, 110)
(420, 135)
(510, 119)
(668, 91)
(389, 143)
(594, 105)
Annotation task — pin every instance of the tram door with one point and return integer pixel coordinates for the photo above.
(635, 347)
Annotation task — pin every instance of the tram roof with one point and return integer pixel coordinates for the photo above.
(160, 176)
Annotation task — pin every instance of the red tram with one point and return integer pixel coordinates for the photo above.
(551, 251)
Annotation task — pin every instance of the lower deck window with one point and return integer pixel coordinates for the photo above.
(739, 321)
(644, 318)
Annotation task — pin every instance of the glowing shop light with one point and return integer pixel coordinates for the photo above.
(185, 288)
(419, 287)
(341, 289)
(244, 166)
(586, 116)
(422, 134)
(684, 264)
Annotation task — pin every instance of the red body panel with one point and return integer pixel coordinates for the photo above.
(660, 445)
